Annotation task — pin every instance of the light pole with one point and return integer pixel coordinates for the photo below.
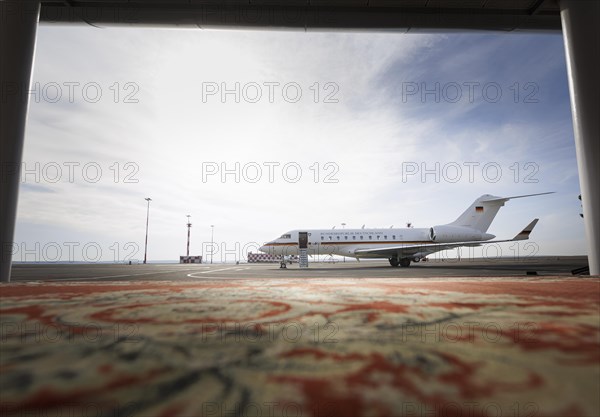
(189, 226)
(212, 235)
(148, 199)
(343, 227)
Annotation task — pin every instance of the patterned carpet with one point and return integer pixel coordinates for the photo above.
(320, 347)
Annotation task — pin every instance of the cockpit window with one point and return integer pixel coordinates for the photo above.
(286, 236)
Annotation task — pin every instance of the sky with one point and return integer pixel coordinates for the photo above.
(258, 133)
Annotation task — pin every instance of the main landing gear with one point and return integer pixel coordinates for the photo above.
(403, 262)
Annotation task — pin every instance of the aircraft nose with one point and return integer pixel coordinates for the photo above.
(264, 248)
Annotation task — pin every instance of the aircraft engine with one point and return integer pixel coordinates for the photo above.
(445, 234)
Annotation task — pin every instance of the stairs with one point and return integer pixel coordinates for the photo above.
(303, 258)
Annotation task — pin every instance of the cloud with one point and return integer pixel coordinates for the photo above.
(36, 188)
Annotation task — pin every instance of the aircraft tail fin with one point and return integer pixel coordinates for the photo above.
(481, 213)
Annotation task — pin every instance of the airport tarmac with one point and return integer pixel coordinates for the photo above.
(541, 266)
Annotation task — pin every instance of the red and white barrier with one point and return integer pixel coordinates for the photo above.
(190, 259)
(262, 257)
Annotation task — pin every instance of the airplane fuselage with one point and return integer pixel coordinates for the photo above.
(349, 242)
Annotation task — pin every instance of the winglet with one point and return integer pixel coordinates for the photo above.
(524, 234)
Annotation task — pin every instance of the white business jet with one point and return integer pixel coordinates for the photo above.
(404, 245)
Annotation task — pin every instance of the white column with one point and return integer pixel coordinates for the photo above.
(18, 26)
(581, 34)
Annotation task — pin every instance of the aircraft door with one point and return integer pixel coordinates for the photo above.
(303, 240)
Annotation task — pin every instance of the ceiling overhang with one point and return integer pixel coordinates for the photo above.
(368, 15)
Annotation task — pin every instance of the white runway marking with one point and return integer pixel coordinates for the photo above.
(193, 275)
(116, 276)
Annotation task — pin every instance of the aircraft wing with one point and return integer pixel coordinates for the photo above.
(402, 251)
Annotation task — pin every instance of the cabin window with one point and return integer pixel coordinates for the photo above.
(346, 237)
(362, 237)
(330, 238)
(322, 237)
(385, 237)
(394, 237)
(378, 237)
(353, 237)
(338, 238)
